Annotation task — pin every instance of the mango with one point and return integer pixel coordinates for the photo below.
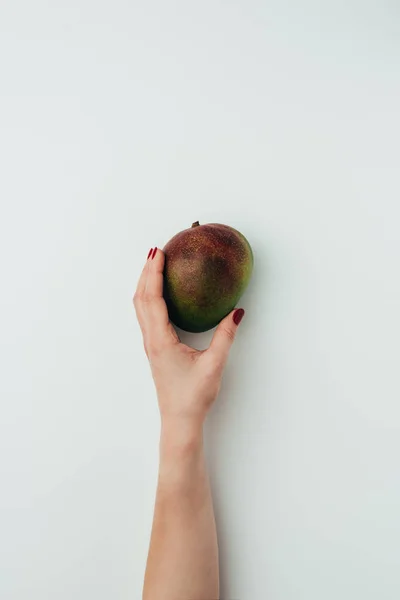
(207, 269)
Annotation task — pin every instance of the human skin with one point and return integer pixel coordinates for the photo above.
(182, 562)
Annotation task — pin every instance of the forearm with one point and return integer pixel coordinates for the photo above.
(183, 554)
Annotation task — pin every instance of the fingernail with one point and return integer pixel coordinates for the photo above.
(154, 253)
(238, 315)
(150, 251)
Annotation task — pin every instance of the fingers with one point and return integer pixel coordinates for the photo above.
(140, 291)
(154, 282)
(224, 336)
(155, 308)
(149, 303)
(141, 286)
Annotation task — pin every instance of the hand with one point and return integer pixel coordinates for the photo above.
(187, 380)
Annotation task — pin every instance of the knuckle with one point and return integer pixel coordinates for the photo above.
(229, 333)
(147, 299)
(157, 344)
(153, 348)
(136, 298)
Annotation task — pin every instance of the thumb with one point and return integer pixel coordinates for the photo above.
(225, 334)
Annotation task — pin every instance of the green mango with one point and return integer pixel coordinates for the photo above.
(207, 268)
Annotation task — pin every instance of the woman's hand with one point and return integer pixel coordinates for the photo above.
(183, 554)
(187, 380)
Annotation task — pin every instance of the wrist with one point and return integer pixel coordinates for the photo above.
(181, 434)
(181, 453)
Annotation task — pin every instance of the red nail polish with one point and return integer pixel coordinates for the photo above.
(150, 251)
(238, 315)
(154, 253)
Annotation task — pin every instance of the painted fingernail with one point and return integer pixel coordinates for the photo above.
(238, 315)
(150, 251)
(154, 253)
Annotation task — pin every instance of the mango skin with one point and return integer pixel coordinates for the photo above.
(207, 268)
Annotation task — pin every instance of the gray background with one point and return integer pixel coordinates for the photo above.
(121, 123)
